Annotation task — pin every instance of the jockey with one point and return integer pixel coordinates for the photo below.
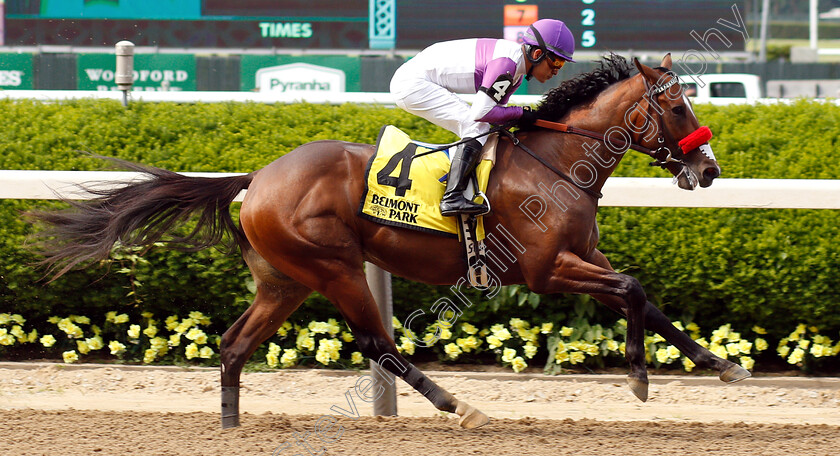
(426, 86)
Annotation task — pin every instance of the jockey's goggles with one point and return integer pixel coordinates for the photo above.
(555, 62)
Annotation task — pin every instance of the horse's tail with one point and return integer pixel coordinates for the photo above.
(140, 214)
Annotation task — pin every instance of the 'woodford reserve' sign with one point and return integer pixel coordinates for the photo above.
(152, 72)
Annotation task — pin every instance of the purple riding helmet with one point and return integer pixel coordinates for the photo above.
(550, 35)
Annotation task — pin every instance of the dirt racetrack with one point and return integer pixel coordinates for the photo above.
(107, 410)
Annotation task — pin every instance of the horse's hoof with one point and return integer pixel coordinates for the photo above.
(734, 373)
(471, 417)
(639, 388)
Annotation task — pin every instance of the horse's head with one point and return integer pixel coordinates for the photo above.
(681, 145)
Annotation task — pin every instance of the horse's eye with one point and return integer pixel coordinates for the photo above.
(678, 110)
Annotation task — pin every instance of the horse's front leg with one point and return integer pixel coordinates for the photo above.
(658, 322)
(571, 274)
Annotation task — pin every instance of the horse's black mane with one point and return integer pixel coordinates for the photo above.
(558, 101)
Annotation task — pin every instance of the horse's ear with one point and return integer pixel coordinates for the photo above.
(646, 72)
(639, 65)
(666, 62)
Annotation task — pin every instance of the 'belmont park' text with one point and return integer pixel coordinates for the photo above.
(399, 209)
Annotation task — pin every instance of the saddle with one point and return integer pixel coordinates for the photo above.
(404, 183)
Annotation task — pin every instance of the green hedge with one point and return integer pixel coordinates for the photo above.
(224, 137)
(773, 268)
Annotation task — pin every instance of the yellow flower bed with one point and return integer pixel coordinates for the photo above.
(145, 340)
(331, 344)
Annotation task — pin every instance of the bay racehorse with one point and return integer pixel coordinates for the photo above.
(299, 230)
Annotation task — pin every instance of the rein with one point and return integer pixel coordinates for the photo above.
(457, 143)
(564, 128)
(518, 143)
(568, 129)
(662, 155)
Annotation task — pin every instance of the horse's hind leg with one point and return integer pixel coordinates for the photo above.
(348, 289)
(658, 322)
(277, 297)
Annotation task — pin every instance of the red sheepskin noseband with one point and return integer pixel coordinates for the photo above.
(696, 139)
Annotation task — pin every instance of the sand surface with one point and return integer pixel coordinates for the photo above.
(94, 409)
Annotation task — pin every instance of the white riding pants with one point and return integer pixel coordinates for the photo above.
(437, 105)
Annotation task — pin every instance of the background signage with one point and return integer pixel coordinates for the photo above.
(16, 71)
(300, 78)
(517, 19)
(326, 24)
(296, 74)
(152, 72)
(600, 25)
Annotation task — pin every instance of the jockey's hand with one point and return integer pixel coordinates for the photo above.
(529, 116)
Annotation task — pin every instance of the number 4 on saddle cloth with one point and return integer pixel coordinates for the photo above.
(403, 188)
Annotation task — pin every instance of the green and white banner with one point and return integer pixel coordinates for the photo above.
(301, 74)
(152, 72)
(16, 72)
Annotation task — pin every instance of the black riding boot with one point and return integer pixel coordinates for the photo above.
(463, 163)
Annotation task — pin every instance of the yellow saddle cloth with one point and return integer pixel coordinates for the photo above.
(404, 191)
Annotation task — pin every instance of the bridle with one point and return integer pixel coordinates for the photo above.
(662, 155)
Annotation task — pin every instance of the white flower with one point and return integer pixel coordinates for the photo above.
(452, 350)
(116, 347)
(47, 341)
(518, 364)
(70, 356)
(289, 357)
(508, 354)
(357, 358)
